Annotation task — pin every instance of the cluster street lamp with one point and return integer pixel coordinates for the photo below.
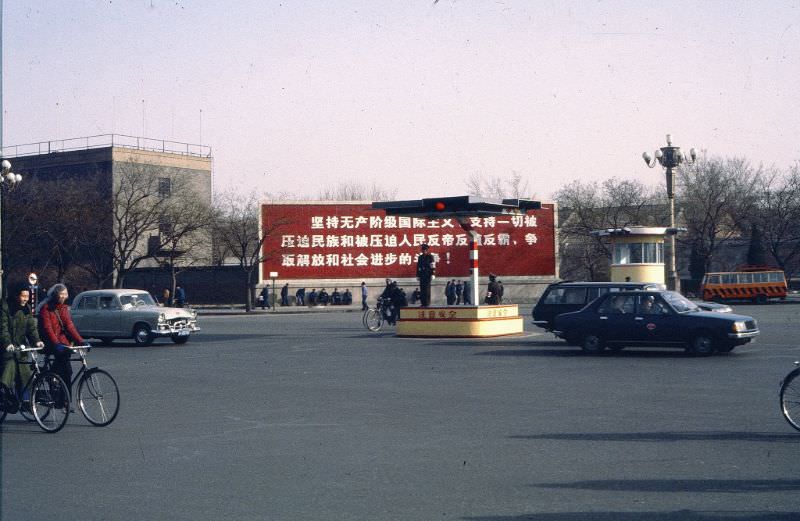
(670, 157)
(8, 181)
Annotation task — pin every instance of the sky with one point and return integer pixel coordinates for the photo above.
(410, 95)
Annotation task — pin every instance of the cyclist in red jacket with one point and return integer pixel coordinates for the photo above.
(58, 331)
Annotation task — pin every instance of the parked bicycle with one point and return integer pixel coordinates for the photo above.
(43, 398)
(383, 312)
(790, 397)
(98, 394)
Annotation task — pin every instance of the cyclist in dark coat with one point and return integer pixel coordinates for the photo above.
(18, 328)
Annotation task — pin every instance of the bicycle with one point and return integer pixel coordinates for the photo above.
(790, 397)
(98, 394)
(44, 397)
(374, 318)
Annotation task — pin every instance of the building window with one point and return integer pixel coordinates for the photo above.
(164, 226)
(164, 187)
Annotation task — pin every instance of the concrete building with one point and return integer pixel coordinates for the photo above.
(98, 165)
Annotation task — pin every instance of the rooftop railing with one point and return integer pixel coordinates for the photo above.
(104, 141)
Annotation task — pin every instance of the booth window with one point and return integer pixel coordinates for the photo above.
(639, 253)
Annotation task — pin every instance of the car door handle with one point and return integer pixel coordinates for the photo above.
(603, 318)
(639, 318)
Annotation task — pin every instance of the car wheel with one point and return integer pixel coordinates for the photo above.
(180, 339)
(142, 335)
(702, 344)
(592, 344)
(106, 341)
(761, 299)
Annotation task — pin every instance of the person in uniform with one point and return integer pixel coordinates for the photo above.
(426, 270)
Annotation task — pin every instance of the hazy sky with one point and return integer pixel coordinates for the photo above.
(410, 94)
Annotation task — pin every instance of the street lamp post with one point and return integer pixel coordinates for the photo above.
(670, 157)
(8, 180)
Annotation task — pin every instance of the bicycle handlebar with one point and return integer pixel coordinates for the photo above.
(87, 347)
(23, 349)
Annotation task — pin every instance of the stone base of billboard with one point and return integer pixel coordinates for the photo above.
(462, 321)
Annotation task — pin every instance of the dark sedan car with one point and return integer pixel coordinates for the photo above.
(653, 318)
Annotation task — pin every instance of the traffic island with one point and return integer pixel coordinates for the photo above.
(460, 322)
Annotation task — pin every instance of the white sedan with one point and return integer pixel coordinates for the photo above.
(107, 314)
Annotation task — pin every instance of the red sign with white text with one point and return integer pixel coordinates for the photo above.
(353, 241)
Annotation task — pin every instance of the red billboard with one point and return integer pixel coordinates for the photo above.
(321, 240)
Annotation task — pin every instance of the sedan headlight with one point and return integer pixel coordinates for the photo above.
(739, 327)
(162, 318)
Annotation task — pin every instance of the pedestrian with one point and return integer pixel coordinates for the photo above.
(18, 328)
(450, 292)
(364, 296)
(415, 295)
(467, 293)
(493, 291)
(285, 295)
(166, 298)
(180, 297)
(300, 297)
(263, 297)
(58, 331)
(426, 272)
(459, 289)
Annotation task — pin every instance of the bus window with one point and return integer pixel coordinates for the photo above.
(745, 278)
(729, 278)
(760, 277)
(775, 277)
(713, 279)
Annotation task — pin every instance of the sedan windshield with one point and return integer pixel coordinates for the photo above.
(136, 299)
(679, 303)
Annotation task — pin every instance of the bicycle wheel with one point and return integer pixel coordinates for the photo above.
(5, 400)
(364, 317)
(50, 402)
(98, 397)
(790, 398)
(374, 320)
(25, 406)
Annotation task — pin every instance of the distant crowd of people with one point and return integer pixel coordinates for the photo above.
(303, 298)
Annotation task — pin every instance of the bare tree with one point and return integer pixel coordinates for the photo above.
(355, 191)
(495, 187)
(586, 207)
(184, 235)
(236, 229)
(143, 197)
(717, 197)
(50, 221)
(776, 217)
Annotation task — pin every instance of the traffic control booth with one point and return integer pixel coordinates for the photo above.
(637, 253)
(464, 321)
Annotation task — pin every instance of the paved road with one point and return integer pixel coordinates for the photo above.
(310, 417)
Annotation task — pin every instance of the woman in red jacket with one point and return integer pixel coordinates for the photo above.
(58, 331)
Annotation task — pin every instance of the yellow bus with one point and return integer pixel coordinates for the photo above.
(756, 283)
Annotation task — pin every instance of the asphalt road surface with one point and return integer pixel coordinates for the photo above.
(311, 417)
